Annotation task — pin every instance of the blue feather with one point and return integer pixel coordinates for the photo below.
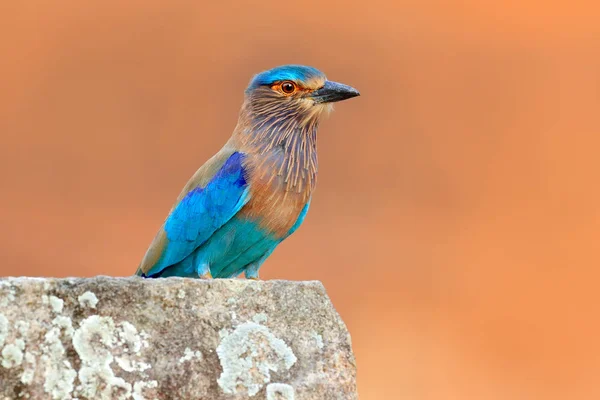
(228, 251)
(286, 72)
(238, 245)
(202, 211)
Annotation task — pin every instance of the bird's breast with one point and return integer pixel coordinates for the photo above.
(279, 188)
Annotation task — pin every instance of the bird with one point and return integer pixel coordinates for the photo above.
(256, 191)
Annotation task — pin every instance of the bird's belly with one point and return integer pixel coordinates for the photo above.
(255, 231)
(234, 246)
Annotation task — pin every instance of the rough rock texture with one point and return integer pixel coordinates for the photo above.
(130, 338)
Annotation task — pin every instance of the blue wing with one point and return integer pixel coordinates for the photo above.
(199, 213)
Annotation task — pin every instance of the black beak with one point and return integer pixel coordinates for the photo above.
(333, 91)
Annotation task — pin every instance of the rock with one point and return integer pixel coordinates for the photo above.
(133, 338)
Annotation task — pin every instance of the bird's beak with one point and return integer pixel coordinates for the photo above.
(332, 92)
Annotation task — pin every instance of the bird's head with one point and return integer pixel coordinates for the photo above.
(294, 94)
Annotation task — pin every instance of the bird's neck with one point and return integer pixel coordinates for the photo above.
(282, 150)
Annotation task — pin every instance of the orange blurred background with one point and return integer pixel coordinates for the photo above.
(456, 218)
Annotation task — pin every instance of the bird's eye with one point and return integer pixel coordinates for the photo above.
(288, 87)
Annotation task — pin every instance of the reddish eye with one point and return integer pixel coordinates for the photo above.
(288, 87)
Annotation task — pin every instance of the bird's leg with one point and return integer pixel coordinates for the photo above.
(204, 271)
(251, 271)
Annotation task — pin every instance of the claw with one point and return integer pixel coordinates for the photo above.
(252, 274)
(206, 275)
(203, 271)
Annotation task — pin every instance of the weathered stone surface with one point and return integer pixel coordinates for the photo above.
(130, 338)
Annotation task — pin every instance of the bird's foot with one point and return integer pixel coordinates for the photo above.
(204, 271)
(206, 275)
(252, 274)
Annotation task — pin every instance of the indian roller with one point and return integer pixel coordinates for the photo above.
(256, 191)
